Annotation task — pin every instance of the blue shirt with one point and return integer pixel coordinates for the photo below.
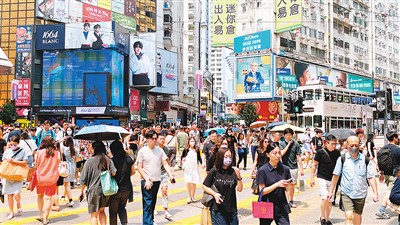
(354, 175)
(43, 134)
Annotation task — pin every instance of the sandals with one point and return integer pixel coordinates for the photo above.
(39, 219)
(55, 209)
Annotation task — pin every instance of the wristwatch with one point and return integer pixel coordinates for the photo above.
(240, 179)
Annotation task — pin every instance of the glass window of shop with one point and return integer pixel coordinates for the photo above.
(308, 94)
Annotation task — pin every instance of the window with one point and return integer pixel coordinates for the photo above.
(259, 24)
(321, 36)
(244, 8)
(303, 48)
(258, 4)
(346, 61)
(308, 94)
(318, 94)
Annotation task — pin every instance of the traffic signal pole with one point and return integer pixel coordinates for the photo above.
(385, 122)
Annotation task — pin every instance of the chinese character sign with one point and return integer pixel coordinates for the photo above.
(24, 93)
(223, 22)
(288, 15)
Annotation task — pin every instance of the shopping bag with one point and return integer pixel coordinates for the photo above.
(264, 210)
(33, 182)
(13, 172)
(63, 169)
(108, 184)
(206, 216)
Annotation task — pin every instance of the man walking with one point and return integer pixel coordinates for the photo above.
(355, 170)
(182, 139)
(325, 161)
(291, 157)
(149, 159)
(208, 147)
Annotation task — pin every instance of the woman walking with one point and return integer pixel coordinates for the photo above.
(191, 159)
(47, 161)
(125, 169)
(17, 156)
(242, 152)
(90, 178)
(69, 152)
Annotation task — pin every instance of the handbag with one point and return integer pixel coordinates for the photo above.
(207, 198)
(240, 151)
(12, 171)
(63, 168)
(205, 216)
(254, 187)
(108, 183)
(263, 210)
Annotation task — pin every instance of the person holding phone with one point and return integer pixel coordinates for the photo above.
(274, 179)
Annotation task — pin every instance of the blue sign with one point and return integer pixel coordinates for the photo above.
(50, 37)
(284, 71)
(253, 42)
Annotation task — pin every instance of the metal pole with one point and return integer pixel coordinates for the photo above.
(212, 99)
(283, 103)
(385, 122)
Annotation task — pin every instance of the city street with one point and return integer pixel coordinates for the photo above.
(307, 211)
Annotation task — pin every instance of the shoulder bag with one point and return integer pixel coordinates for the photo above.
(108, 183)
(207, 198)
(263, 210)
(12, 171)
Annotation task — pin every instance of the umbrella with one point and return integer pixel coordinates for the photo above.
(341, 134)
(281, 128)
(258, 124)
(236, 130)
(101, 133)
(272, 125)
(218, 129)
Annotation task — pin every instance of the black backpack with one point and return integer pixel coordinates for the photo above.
(385, 160)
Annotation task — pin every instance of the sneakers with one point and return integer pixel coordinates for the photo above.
(189, 200)
(292, 204)
(19, 211)
(328, 222)
(382, 215)
(323, 221)
(193, 200)
(70, 204)
(167, 216)
(10, 217)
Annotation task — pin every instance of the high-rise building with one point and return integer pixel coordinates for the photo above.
(146, 15)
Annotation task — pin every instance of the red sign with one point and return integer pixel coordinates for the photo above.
(130, 8)
(162, 106)
(24, 93)
(93, 13)
(266, 110)
(134, 100)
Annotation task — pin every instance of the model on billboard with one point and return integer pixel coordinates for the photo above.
(159, 70)
(252, 79)
(98, 44)
(341, 80)
(302, 73)
(141, 66)
(87, 37)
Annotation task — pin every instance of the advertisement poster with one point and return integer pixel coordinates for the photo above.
(50, 37)
(134, 100)
(142, 60)
(396, 98)
(266, 110)
(118, 6)
(61, 10)
(24, 93)
(253, 42)
(125, 21)
(288, 15)
(105, 4)
(143, 106)
(93, 13)
(91, 2)
(23, 65)
(24, 38)
(253, 77)
(359, 83)
(94, 35)
(45, 8)
(199, 80)
(75, 11)
(130, 8)
(64, 74)
(167, 72)
(151, 102)
(223, 14)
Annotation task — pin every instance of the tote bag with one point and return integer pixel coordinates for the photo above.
(263, 210)
(205, 216)
(108, 183)
(13, 172)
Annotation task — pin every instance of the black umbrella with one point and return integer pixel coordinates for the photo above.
(341, 134)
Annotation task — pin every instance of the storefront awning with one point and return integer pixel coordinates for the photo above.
(4, 61)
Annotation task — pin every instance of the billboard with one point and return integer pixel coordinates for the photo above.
(253, 42)
(253, 77)
(92, 13)
(94, 35)
(288, 15)
(23, 65)
(118, 6)
(223, 21)
(50, 37)
(125, 21)
(24, 38)
(167, 72)
(65, 73)
(130, 8)
(24, 93)
(134, 100)
(142, 60)
(266, 110)
(359, 83)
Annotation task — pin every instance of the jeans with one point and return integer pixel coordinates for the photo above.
(253, 152)
(219, 218)
(243, 157)
(117, 206)
(149, 199)
(281, 220)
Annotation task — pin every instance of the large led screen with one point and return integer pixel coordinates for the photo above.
(65, 73)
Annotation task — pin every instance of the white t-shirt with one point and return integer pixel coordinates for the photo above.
(28, 145)
(152, 160)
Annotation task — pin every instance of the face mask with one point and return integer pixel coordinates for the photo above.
(353, 150)
(227, 161)
(69, 132)
(338, 146)
(191, 144)
(14, 147)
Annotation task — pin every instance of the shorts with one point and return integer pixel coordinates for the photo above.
(389, 181)
(164, 179)
(323, 186)
(306, 148)
(353, 205)
(80, 164)
(294, 173)
(49, 190)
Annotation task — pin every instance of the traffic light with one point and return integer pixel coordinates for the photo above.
(378, 100)
(288, 105)
(389, 100)
(298, 105)
(194, 117)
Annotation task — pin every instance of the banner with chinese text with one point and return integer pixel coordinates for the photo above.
(24, 93)
(288, 15)
(223, 22)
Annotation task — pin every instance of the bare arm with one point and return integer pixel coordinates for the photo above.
(313, 169)
(142, 173)
(168, 169)
(335, 179)
(133, 170)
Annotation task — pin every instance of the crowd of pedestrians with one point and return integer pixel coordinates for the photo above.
(348, 165)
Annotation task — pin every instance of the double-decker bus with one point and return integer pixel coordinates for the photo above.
(330, 108)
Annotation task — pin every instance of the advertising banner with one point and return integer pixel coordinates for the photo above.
(130, 8)
(75, 11)
(396, 98)
(121, 38)
(266, 110)
(105, 4)
(61, 10)
(151, 102)
(199, 80)
(93, 13)
(66, 11)
(118, 6)
(94, 35)
(223, 21)
(253, 42)
(142, 60)
(359, 83)
(14, 89)
(167, 72)
(125, 21)
(143, 106)
(134, 100)
(288, 15)
(92, 2)
(24, 93)
(23, 65)
(50, 37)
(253, 77)
(45, 8)
(24, 38)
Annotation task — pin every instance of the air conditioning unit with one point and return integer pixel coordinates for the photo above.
(340, 30)
(287, 49)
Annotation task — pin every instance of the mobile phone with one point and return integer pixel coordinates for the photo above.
(81, 197)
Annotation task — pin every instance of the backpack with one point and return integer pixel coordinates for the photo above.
(385, 160)
(343, 158)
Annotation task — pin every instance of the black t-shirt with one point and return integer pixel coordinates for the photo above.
(133, 137)
(123, 175)
(207, 149)
(317, 142)
(268, 176)
(395, 154)
(231, 142)
(225, 181)
(262, 158)
(326, 163)
(3, 143)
